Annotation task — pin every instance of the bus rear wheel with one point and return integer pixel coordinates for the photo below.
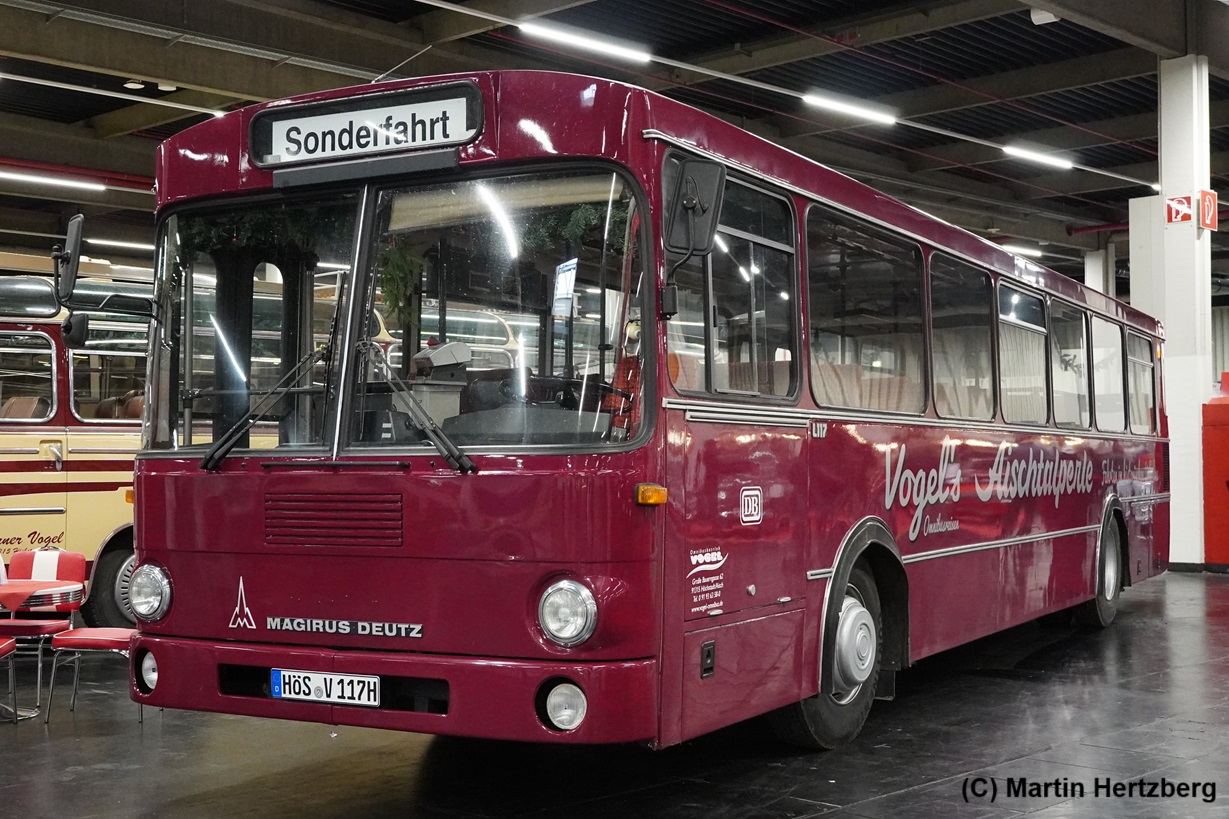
(109, 605)
(834, 717)
(1100, 611)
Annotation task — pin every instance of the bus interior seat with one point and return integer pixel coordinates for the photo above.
(132, 404)
(108, 408)
(24, 406)
(686, 371)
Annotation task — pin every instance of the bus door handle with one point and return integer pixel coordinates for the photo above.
(55, 451)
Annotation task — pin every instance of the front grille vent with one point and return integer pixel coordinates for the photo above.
(317, 519)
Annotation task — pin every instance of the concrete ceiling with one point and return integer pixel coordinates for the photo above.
(964, 76)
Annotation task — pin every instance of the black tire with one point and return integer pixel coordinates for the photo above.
(1100, 611)
(832, 718)
(108, 606)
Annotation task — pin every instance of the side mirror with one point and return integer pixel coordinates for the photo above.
(695, 207)
(68, 260)
(76, 330)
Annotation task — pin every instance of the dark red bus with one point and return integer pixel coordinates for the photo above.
(541, 407)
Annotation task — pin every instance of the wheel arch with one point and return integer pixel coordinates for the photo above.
(870, 540)
(1113, 514)
(120, 538)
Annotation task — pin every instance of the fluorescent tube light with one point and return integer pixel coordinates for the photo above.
(117, 243)
(829, 104)
(586, 43)
(37, 179)
(1034, 156)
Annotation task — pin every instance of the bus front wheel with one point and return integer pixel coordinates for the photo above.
(1100, 611)
(834, 717)
(109, 605)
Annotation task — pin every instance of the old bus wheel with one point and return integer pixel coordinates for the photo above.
(109, 606)
(1099, 612)
(832, 718)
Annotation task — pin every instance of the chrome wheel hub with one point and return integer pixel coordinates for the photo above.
(854, 655)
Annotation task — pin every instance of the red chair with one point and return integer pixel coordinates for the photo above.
(31, 634)
(8, 650)
(68, 646)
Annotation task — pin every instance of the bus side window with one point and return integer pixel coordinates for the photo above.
(25, 377)
(1107, 375)
(961, 317)
(1069, 366)
(865, 314)
(1141, 384)
(1022, 357)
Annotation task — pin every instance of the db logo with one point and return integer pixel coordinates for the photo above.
(751, 505)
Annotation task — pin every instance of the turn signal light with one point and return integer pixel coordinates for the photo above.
(650, 494)
(128, 495)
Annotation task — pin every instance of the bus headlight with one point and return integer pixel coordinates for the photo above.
(567, 612)
(149, 591)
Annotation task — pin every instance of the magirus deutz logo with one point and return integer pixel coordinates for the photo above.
(242, 618)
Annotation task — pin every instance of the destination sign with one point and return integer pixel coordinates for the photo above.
(405, 121)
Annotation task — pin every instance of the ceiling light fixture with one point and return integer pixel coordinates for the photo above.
(585, 43)
(166, 86)
(134, 85)
(1040, 158)
(55, 181)
(850, 109)
(117, 243)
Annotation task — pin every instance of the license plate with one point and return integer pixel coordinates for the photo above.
(321, 686)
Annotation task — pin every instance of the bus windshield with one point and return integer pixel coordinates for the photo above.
(508, 308)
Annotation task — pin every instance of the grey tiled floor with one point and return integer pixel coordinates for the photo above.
(1148, 698)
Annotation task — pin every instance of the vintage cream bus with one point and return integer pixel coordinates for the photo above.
(70, 423)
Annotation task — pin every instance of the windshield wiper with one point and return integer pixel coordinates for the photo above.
(414, 409)
(221, 447)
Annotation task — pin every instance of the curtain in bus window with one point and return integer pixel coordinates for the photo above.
(25, 378)
(865, 314)
(1140, 384)
(1022, 357)
(512, 309)
(1107, 375)
(961, 319)
(1069, 366)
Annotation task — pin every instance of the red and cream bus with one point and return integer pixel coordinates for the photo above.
(70, 424)
(768, 436)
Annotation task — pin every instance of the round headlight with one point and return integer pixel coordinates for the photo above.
(567, 612)
(566, 706)
(149, 591)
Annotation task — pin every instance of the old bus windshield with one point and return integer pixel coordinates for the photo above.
(508, 308)
(516, 306)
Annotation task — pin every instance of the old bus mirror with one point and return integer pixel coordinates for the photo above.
(68, 260)
(692, 227)
(695, 206)
(76, 330)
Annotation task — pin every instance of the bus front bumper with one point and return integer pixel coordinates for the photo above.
(437, 694)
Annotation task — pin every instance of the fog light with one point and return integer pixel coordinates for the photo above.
(149, 592)
(149, 671)
(566, 706)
